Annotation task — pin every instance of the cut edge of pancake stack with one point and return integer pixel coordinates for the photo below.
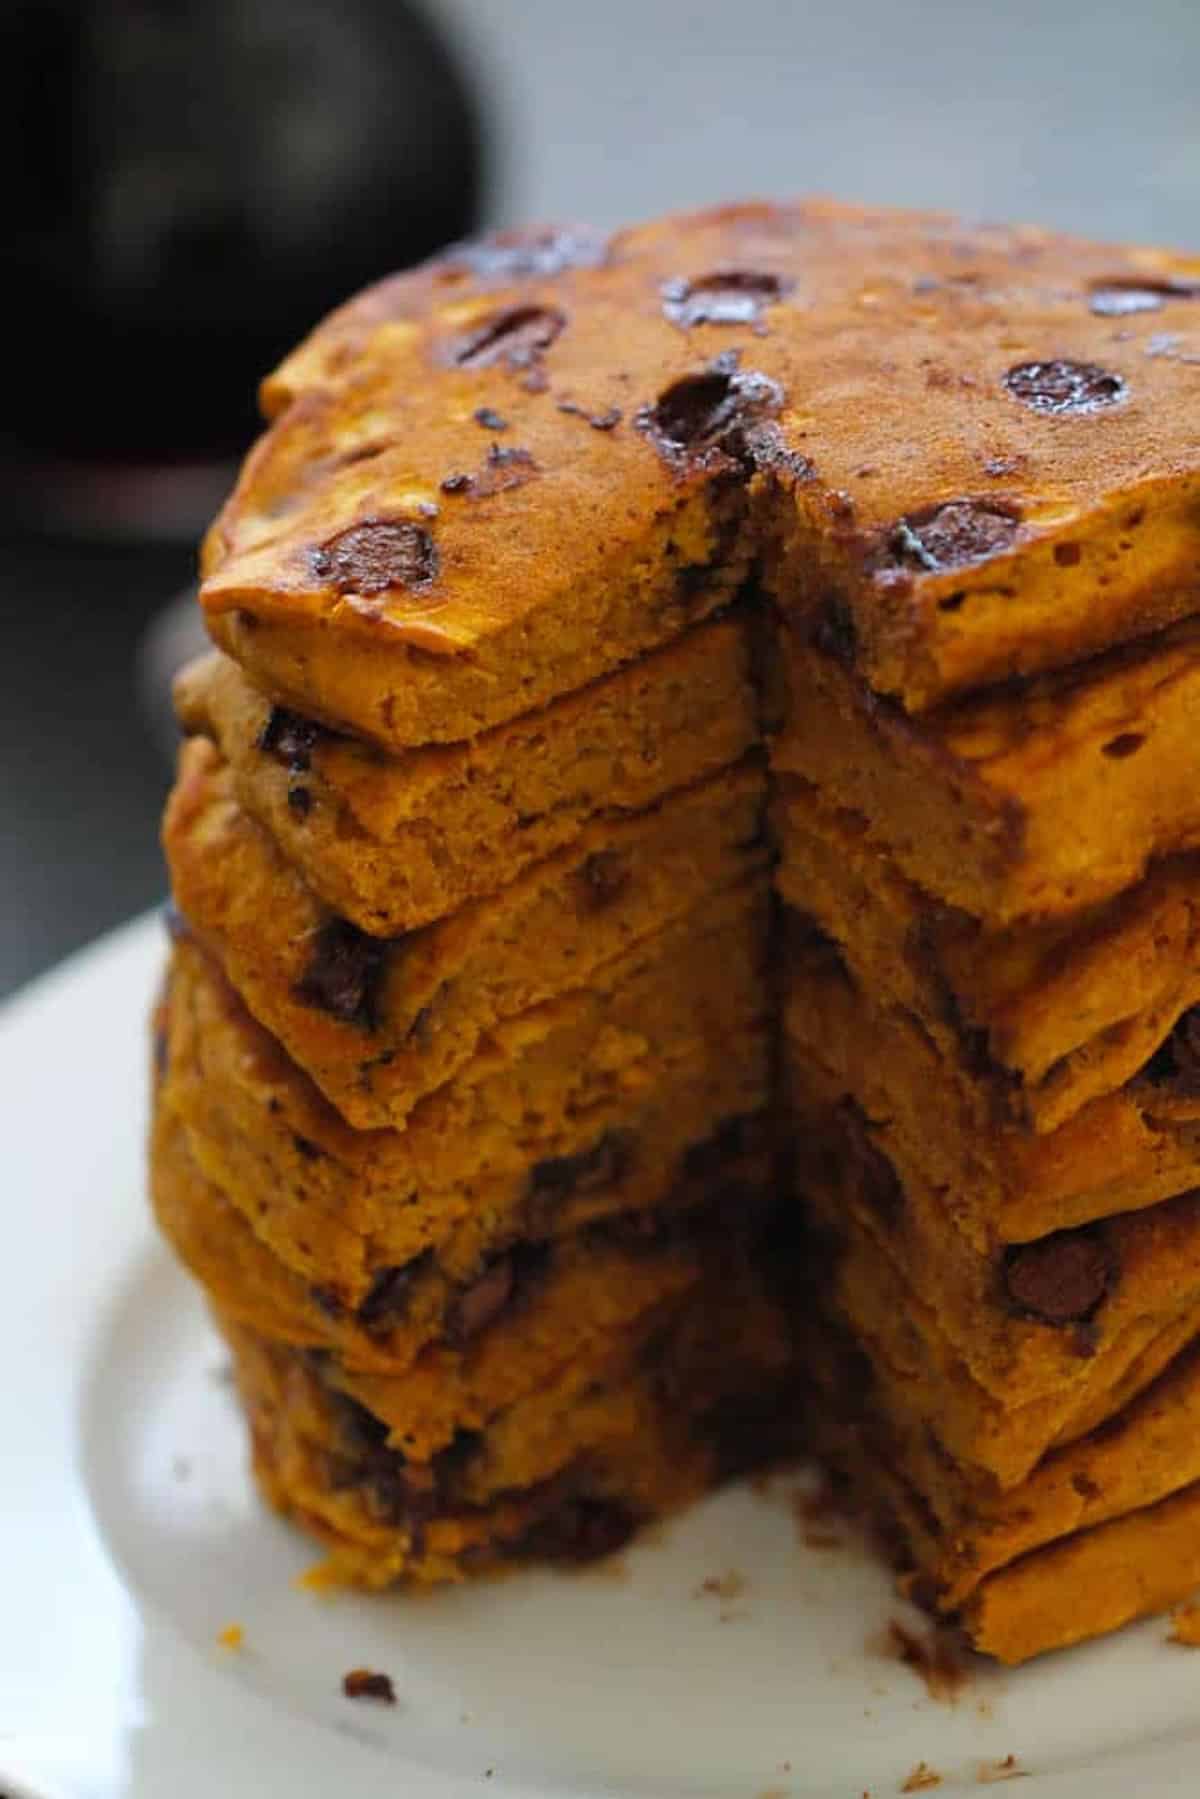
(688, 869)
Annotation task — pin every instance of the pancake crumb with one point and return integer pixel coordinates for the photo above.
(231, 1637)
(730, 1585)
(990, 1772)
(921, 1779)
(1185, 1626)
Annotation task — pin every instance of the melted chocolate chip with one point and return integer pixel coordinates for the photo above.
(560, 1178)
(1176, 1063)
(507, 466)
(363, 1683)
(343, 973)
(599, 421)
(517, 337)
(526, 255)
(388, 1296)
(710, 412)
(490, 419)
(379, 554)
(481, 1303)
(1121, 302)
(583, 1530)
(458, 483)
(949, 536)
(725, 297)
(605, 877)
(1123, 296)
(305, 1148)
(290, 738)
(1060, 1279)
(299, 801)
(1058, 387)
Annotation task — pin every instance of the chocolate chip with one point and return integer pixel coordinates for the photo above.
(1060, 1279)
(599, 421)
(490, 419)
(299, 801)
(481, 1303)
(388, 1296)
(518, 336)
(1176, 1063)
(767, 449)
(1170, 345)
(362, 1683)
(709, 412)
(1000, 467)
(949, 536)
(725, 297)
(379, 554)
(343, 973)
(526, 255)
(507, 466)
(509, 456)
(606, 875)
(606, 1162)
(290, 737)
(305, 1148)
(458, 483)
(1123, 296)
(1068, 555)
(1059, 386)
(583, 1530)
(1125, 743)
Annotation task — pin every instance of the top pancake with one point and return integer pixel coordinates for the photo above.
(967, 450)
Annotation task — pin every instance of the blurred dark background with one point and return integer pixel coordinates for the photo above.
(189, 184)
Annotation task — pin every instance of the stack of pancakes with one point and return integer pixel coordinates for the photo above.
(687, 866)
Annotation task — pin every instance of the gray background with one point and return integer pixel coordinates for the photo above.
(1082, 116)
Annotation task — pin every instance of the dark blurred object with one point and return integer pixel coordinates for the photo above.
(84, 779)
(188, 185)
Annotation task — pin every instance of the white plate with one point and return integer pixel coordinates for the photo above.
(132, 1538)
